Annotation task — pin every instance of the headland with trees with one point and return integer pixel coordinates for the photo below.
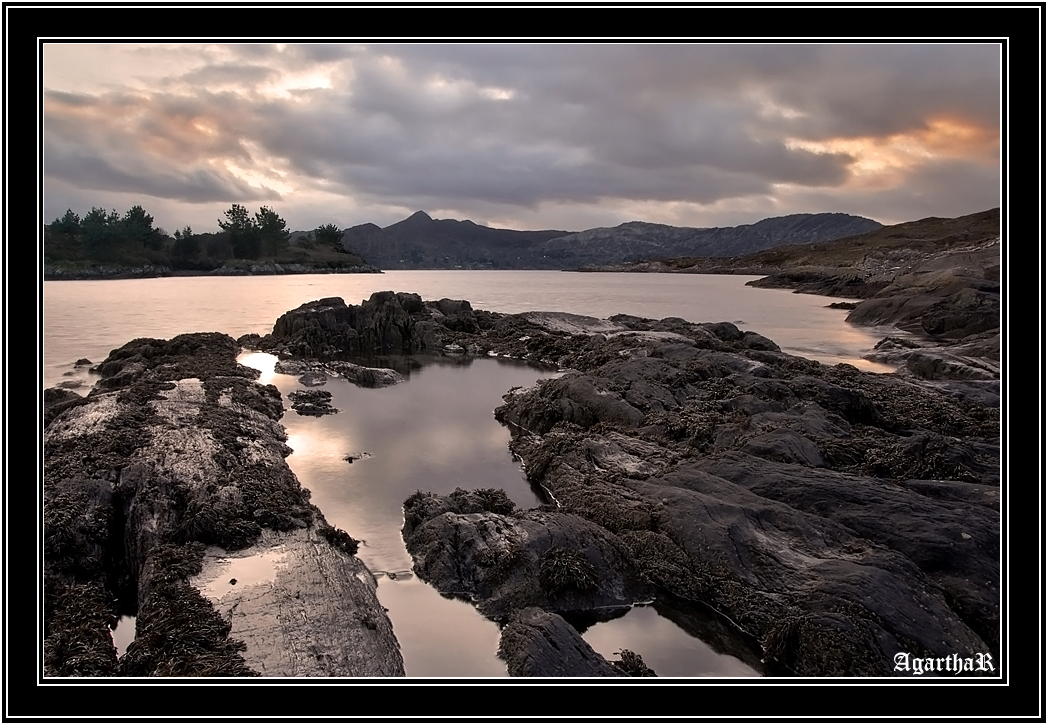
(106, 244)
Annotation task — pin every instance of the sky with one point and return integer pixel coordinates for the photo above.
(555, 136)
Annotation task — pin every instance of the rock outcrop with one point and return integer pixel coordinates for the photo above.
(178, 455)
(535, 643)
(477, 545)
(833, 517)
(385, 323)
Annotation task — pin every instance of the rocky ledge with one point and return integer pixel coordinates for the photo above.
(828, 517)
(156, 486)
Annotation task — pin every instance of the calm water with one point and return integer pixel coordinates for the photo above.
(435, 432)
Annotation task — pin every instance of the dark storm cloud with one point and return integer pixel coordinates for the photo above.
(195, 185)
(881, 90)
(415, 128)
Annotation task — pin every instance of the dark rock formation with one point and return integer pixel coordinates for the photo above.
(478, 546)
(312, 403)
(535, 643)
(832, 516)
(330, 328)
(387, 322)
(316, 373)
(175, 459)
(57, 400)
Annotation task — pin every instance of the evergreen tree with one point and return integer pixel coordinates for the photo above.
(138, 231)
(67, 224)
(329, 235)
(101, 234)
(243, 234)
(272, 231)
(187, 245)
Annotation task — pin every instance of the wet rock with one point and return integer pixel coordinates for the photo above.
(178, 448)
(387, 322)
(573, 399)
(313, 378)
(785, 445)
(57, 400)
(536, 643)
(312, 403)
(366, 377)
(357, 456)
(476, 545)
(830, 562)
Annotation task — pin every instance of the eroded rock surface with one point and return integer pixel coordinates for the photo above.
(479, 546)
(834, 517)
(178, 448)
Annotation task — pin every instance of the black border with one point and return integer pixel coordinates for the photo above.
(1019, 697)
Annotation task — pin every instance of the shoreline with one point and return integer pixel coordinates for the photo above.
(149, 272)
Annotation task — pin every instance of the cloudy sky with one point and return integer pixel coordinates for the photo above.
(553, 136)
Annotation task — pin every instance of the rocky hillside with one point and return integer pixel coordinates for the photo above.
(641, 240)
(420, 242)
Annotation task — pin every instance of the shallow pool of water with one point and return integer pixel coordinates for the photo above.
(437, 432)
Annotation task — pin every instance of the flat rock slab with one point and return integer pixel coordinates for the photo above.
(302, 608)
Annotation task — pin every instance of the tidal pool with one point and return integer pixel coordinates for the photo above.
(436, 432)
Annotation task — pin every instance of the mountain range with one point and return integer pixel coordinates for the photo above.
(421, 242)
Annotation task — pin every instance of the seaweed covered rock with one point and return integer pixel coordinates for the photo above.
(387, 322)
(836, 517)
(478, 546)
(177, 449)
(312, 403)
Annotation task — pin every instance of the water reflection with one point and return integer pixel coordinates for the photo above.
(123, 633)
(666, 647)
(436, 432)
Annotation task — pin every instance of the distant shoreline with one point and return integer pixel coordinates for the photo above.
(105, 272)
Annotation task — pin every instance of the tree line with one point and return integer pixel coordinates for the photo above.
(103, 236)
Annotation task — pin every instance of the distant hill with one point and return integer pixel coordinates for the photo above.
(643, 240)
(885, 250)
(421, 242)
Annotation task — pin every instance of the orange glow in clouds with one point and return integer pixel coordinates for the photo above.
(882, 162)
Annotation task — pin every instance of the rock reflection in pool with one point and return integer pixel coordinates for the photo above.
(435, 432)
(665, 647)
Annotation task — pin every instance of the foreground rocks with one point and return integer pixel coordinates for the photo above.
(535, 643)
(833, 517)
(176, 458)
